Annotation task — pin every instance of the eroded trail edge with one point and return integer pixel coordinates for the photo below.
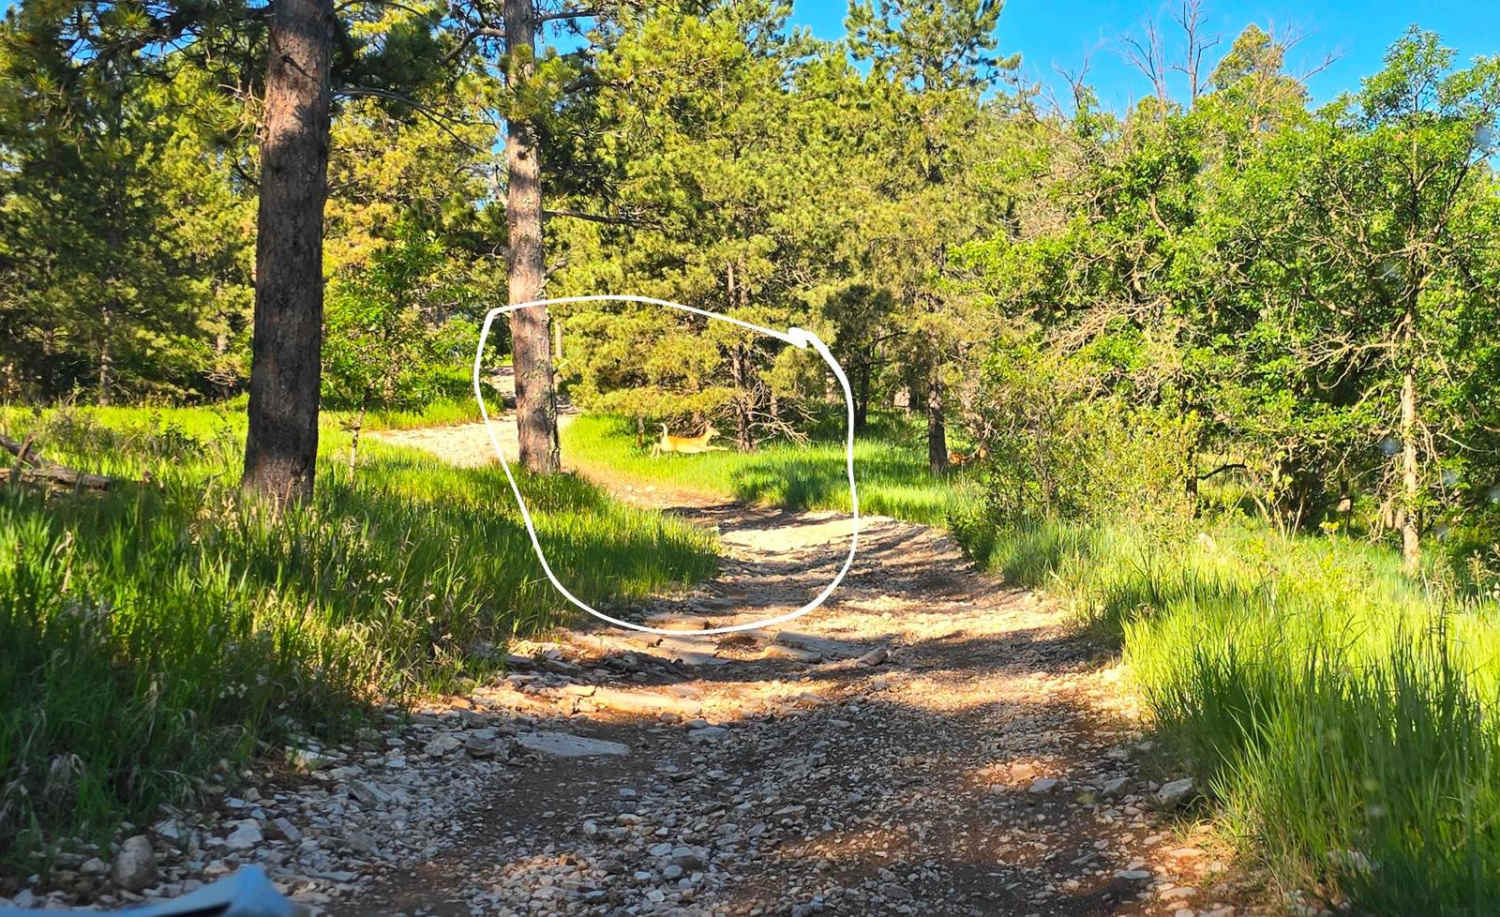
(930, 741)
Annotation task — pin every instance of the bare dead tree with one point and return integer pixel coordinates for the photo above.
(1148, 55)
(1195, 45)
(1290, 37)
(1077, 81)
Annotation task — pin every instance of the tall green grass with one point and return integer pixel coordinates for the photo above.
(441, 413)
(891, 470)
(1342, 715)
(151, 631)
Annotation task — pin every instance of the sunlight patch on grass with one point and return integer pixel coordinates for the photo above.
(892, 476)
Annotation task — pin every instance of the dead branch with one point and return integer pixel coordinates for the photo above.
(32, 468)
(1190, 21)
(1148, 55)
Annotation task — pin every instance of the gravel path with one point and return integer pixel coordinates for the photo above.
(928, 742)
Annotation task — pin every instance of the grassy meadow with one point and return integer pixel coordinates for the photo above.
(890, 461)
(155, 633)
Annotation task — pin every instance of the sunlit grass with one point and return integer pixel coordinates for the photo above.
(891, 472)
(154, 629)
(1343, 716)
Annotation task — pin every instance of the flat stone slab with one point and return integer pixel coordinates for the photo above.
(567, 745)
(826, 647)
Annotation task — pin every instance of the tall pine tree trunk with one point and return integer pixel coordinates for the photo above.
(1411, 544)
(281, 447)
(742, 397)
(536, 398)
(937, 431)
(106, 361)
(861, 397)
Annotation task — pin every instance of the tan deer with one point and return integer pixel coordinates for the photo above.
(686, 445)
(959, 459)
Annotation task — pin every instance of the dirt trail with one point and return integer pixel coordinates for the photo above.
(930, 742)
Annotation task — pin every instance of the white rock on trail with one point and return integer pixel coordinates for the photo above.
(135, 864)
(566, 745)
(246, 834)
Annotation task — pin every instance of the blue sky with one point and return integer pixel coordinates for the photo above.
(1064, 32)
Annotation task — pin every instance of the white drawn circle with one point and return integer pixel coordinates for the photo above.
(797, 337)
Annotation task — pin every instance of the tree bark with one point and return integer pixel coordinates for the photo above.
(281, 447)
(106, 362)
(742, 397)
(1411, 544)
(861, 397)
(536, 397)
(937, 433)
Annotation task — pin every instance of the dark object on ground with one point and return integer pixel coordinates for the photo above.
(31, 468)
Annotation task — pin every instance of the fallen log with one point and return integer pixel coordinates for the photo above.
(32, 468)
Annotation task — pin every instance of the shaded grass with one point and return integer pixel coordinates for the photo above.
(891, 473)
(1342, 715)
(153, 631)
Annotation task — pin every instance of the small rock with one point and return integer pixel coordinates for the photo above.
(369, 793)
(708, 735)
(305, 759)
(246, 834)
(287, 830)
(94, 867)
(135, 864)
(1043, 784)
(689, 858)
(1134, 875)
(359, 841)
(483, 747)
(1175, 793)
(442, 744)
(1115, 787)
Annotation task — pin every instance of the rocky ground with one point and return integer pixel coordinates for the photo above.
(928, 742)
